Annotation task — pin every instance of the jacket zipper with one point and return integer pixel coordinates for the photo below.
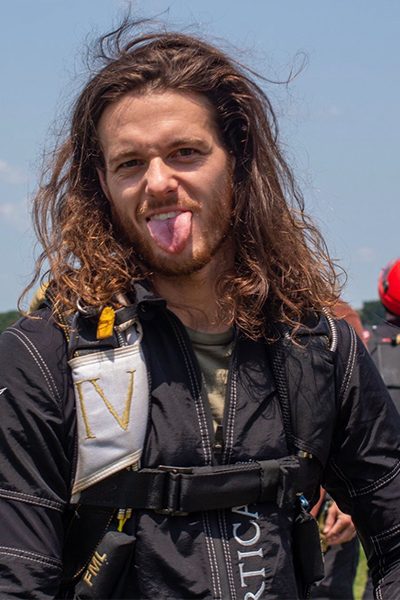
(227, 431)
(213, 530)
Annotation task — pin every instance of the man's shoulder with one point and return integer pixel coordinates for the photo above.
(33, 365)
(324, 330)
(35, 336)
(334, 340)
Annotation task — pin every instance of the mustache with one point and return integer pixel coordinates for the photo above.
(173, 201)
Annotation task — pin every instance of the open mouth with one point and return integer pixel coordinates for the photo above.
(171, 230)
(164, 216)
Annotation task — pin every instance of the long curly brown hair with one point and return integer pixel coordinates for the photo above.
(282, 266)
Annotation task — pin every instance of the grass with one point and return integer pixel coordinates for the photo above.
(361, 576)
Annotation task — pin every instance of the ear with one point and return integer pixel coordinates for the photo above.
(103, 183)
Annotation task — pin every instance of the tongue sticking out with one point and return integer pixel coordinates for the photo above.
(171, 234)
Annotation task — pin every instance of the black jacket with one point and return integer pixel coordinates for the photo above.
(350, 426)
(384, 347)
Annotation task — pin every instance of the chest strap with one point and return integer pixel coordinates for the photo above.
(183, 490)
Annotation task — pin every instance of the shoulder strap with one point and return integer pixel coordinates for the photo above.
(277, 363)
(86, 525)
(309, 392)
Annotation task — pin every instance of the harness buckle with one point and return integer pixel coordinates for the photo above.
(172, 490)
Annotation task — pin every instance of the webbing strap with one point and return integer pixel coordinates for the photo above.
(183, 490)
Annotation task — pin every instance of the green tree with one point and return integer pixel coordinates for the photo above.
(372, 312)
(7, 318)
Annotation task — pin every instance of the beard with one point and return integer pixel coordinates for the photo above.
(180, 266)
(214, 231)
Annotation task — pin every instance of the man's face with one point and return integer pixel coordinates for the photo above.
(168, 178)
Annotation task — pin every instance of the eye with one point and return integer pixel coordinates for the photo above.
(131, 163)
(185, 153)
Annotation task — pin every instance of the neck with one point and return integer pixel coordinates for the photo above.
(193, 298)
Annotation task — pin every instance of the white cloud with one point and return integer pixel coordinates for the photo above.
(6, 210)
(366, 254)
(11, 174)
(15, 215)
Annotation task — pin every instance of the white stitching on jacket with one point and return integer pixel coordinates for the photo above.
(380, 557)
(36, 500)
(212, 557)
(378, 590)
(29, 341)
(205, 440)
(231, 419)
(227, 554)
(48, 560)
(45, 371)
(372, 487)
(387, 533)
(227, 458)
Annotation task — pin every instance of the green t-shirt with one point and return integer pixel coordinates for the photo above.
(213, 352)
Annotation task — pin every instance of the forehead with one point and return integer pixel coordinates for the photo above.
(152, 117)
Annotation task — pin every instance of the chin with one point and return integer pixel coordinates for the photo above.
(189, 261)
(176, 267)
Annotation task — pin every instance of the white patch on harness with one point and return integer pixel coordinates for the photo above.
(112, 404)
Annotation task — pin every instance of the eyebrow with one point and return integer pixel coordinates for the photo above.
(120, 157)
(188, 141)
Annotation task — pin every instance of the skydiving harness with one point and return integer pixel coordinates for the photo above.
(113, 484)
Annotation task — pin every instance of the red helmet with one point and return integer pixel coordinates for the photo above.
(389, 287)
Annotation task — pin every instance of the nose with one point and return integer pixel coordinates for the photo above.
(160, 179)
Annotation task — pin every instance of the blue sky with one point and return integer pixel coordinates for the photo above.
(339, 118)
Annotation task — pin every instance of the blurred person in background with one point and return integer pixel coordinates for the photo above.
(384, 345)
(384, 339)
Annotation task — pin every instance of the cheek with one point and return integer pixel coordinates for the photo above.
(124, 202)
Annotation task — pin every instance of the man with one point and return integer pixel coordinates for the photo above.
(384, 341)
(169, 415)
